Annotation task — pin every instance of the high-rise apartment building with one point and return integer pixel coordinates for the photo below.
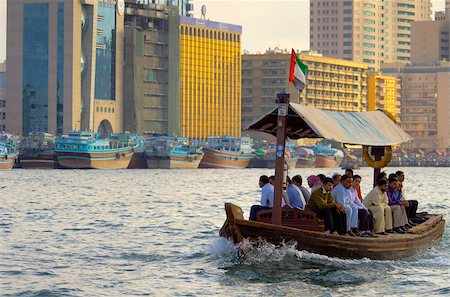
(184, 6)
(65, 65)
(210, 78)
(332, 84)
(430, 40)
(365, 31)
(425, 104)
(151, 69)
(383, 93)
(2, 96)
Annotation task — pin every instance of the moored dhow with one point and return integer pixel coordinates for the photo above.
(138, 160)
(265, 157)
(225, 152)
(84, 150)
(8, 151)
(37, 151)
(171, 152)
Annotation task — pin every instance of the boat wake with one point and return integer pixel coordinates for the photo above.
(261, 251)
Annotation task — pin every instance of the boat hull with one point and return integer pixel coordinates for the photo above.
(104, 160)
(390, 247)
(224, 160)
(138, 161)
(6, 164)
(188, 162)
(265, 163)
(37, 160)
(325, 162)
(305, 163)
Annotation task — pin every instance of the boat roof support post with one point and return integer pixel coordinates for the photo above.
(283, 108)
(378, 153)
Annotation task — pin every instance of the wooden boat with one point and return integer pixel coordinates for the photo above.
(226, 152)
(325, 161)
(280, 225)
(138, 160)
(392, 246)
(37, 151)
(171, 152)
(306, 157)
(83, 150)
(304, 162)
(8, 151)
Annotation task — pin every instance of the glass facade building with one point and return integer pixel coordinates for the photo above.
(60, 70)
(35, 67)
(210, 78)
(105, 52)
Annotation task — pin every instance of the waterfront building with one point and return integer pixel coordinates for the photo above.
(210, 79)
(430, 40)
(332, 84)
(383, 93)
(2, 96)
(65, 61)
(370, 32)
(184, 6)
(152, 94)
(425, 103)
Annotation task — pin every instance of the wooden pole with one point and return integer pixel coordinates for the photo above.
(283, 108)
(377, 152)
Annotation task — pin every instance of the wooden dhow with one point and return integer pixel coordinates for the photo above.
(277, 225)
(84, 150)
(8, 151)
(226, 152)
(37, 151)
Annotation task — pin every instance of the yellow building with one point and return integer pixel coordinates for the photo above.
(383, 93)
(210, 78)
(332, 84)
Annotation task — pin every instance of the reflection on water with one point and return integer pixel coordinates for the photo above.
(155, 232)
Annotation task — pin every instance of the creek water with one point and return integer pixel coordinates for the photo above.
(155, 233)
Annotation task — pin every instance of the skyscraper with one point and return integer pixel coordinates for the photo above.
(372, 32)
(210, 78)
(65, 61)
(430, 40)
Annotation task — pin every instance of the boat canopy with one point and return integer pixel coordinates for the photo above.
(372, 128)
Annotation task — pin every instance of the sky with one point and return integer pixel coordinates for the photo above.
(265, 23)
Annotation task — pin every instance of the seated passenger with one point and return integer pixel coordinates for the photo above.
(382, 175)
(411, 207)
(314, 182)
(365, 215)
(341, 195)
(349, 172)
(267, 192)
(322, 203)
(336, 179)
(296, 198)
(267, 197)
(377, 202)
(400, 220)
(305, 192)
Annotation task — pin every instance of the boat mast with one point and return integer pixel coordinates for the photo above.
(283, 108)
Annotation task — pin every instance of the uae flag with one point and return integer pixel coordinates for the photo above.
(297, 74)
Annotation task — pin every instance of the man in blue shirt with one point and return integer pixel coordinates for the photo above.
(296, 198)
(342, 196)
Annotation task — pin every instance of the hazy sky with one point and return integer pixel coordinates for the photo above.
(265, 23)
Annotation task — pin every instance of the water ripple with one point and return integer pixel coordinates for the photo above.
(155, 233)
